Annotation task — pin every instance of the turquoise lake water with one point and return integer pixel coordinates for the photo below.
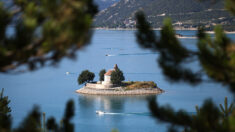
(51, 88)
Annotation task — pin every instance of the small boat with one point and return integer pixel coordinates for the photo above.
(67, 73)
(109, 55)
(180, 36)
(99, 112)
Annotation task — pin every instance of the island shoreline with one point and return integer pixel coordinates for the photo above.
(119, 91)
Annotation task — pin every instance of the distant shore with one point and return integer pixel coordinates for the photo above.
(136, 29)
(119, 91)
(158, 29)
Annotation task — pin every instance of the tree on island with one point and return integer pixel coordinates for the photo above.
(101, 74)
(117, 76)
(86, 76)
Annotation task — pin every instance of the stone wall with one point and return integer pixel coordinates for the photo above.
(119, 91)
(98, 86)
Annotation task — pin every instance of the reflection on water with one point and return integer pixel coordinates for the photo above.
(109, 103)
(119, 110)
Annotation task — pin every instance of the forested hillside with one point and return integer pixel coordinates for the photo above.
(184, 13)
(102, 4)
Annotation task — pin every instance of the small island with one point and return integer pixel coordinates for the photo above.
(112, 83)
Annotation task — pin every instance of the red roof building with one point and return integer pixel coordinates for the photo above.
(108, 73)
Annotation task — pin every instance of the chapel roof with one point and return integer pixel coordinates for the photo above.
(109, 72)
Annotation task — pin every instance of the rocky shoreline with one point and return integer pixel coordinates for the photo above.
(119, 91)
(158, 29)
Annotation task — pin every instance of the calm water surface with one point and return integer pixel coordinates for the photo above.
(50, 87)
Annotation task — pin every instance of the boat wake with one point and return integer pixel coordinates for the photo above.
(109, 55)
(138, 114)
(185, 37)
(113, 48)
(131, 54)
(68, 73)
(110, 113)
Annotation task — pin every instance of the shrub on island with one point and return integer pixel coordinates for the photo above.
(86, 76)
(101, 74)
(117, 77)
(139, 85)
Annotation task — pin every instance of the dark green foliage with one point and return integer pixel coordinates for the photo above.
(45, 31)
(69, 113)
(85, 76)
(101, 74)
(208, 119)
(117, 76)
(226, 110)
(66, 126)
(114, 130)
(32, 123)
(5, 113)
(197, 109)
(217, 59)
(172, 53)
(145, 36)
(230, 4)
(51, 124)
(217, 56)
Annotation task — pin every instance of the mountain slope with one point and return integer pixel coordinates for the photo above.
(103, 4)
(184, 13)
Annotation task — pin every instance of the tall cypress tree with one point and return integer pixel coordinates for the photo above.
(117, 76)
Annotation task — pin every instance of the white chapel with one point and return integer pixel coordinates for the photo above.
(107, 76)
